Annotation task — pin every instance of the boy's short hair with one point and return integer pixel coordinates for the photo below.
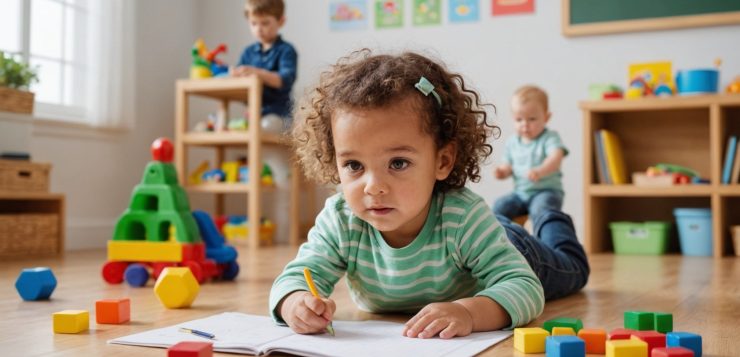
(532, 93)
(274, 8)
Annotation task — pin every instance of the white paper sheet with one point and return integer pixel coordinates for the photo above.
(251, 334)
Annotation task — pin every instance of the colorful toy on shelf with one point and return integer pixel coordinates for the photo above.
(205, 64)
(214, 175)
(666, 175)
(266, 176)
(231, 170)
(196, 176)
(598, 91)
(734, 86)
(650, 79)
(157, 230)
(35, 283)
(237, 228)
(237, 124)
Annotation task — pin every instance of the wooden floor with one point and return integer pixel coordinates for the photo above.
(702, 293)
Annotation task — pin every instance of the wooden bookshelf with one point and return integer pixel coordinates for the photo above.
(223, 91)
(688, 131)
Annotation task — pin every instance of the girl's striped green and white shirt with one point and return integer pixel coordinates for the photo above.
(461, 251)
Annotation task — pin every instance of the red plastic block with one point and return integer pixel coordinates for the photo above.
(621, 334)
(654, 339)
(672, 352)
(113, 311)
(191, 349)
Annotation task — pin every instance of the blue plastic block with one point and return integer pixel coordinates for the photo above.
(565, 346)
(684, 339)
(136, 275)
(36, 283)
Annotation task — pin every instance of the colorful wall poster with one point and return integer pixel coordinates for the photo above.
(348, 15)
(388, 13)
(427, 12)
(464, 10)
(509, 7)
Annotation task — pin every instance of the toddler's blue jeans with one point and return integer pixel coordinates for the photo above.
(553, 252)
(512, 205)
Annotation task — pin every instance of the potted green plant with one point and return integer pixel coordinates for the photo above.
(15, 79)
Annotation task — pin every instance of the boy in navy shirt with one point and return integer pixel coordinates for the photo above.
(270, 58)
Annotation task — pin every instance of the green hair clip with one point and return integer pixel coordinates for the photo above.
(425, 87)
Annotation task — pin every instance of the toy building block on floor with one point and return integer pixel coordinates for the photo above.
(71, 321)
(176, 288)
(157, 230)
(191, 349)
(113, 311)
(36, 283)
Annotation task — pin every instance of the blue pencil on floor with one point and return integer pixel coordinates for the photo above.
(198, 333)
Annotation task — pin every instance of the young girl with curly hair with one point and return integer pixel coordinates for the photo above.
(402, 135)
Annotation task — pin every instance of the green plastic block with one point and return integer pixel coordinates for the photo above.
(573, 323)
(663, 322)
(157, 204)
(638, 320)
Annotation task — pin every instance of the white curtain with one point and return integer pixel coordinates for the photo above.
(106, 63)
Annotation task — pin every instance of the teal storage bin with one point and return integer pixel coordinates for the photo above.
(694, 230)
(649, 238)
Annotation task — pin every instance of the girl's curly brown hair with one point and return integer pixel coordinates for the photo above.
(365, 81)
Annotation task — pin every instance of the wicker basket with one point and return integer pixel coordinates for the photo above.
(16, 101)
(24, 176)
(29, 235)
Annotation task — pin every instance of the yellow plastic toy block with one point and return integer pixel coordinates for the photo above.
(563, 331)
(71, 321)
(626, 348)
(144, 251)
(176, 287)
(530, 339)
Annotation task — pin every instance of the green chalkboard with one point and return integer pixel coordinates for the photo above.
(583, 17)
(588, 11)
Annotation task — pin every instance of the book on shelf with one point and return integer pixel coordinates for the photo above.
(735, 177)
(601, 168)
(614, 157)
(729, 158)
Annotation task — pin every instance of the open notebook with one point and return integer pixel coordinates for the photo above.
(258, 335)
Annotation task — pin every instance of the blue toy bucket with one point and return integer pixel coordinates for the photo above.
(694, 230)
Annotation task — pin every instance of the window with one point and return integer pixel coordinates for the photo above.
(50, 35)
(77, 45)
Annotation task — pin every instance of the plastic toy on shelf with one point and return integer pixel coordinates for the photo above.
(734, 86)
(158, 230)
(205, 64)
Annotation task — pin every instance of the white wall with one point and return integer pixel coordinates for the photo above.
(496, 55)
(97, 170)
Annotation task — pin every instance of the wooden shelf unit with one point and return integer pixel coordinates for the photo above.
(688, 131)
(224, 90)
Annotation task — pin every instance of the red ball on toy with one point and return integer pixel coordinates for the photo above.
(162, 150)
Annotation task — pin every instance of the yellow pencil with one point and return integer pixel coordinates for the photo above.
(315, 293)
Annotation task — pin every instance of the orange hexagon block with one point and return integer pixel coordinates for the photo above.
(176, 287)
